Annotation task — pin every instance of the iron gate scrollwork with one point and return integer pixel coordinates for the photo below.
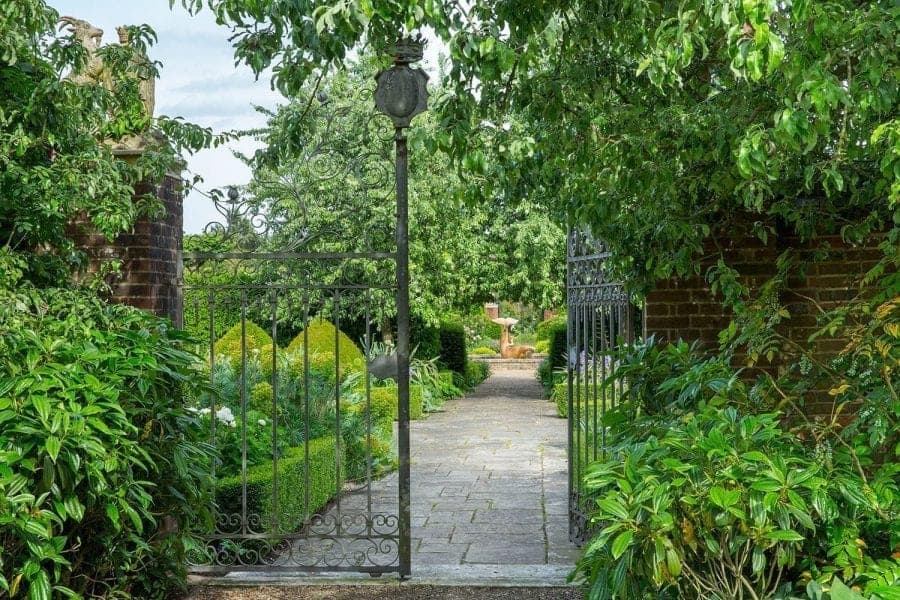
(600, 316)
(289, 289)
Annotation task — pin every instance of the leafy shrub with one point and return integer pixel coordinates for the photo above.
(262, 397)
(416, 402)
(453, 347)
(543, 329)
(321, 333)
(425, 374)
(557, 351)
(484, 351)
(229, 439)
(292, 510)
(387, 395)
(96, 450)
(424, 338)
(708, 488)
(593, 395)
(259, 346)
(542, 346)
(476, 372)
(732, 498)
(480, 329)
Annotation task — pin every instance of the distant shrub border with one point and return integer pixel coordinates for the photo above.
(453, 346)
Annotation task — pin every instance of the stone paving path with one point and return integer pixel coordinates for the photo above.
(488, 485)
(488, 480)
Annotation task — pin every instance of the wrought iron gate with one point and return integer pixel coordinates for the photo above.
(600, 316)
(294, 291)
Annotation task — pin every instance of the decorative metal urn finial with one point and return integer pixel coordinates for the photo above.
(401, 92)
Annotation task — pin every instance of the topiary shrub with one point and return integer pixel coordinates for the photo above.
(453, 347)
(383, 401)
(387, 396)
(321, 335)
(259, 346)
(292, 510)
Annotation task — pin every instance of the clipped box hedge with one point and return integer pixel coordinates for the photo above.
(291, 482)
(560, 396)
(386, 396)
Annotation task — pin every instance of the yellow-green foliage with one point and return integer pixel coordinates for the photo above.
(321, 334)
(383, 403)
(291, 509)
(386, 397)
(542, 346)
(560, 396)
(416, 402)
(259, 346)
(261, 397)
(484, 350)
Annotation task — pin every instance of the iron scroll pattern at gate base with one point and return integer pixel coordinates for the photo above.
(349, 541)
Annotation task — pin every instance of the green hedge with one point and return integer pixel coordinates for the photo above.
(543, 329)
(453, 346)
(558, 346)
(382, 397)
(291, 494)
(425, 339)
(446, 377)
(560, 396)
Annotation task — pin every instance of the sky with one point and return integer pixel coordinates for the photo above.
(198, 81)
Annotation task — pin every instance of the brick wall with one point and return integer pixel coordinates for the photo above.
(686, 308)
(150, 254)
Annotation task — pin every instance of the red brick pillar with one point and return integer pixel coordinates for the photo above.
(150, 253)
(492, 310)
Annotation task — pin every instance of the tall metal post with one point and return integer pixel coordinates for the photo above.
(401, 94)
(403, 349)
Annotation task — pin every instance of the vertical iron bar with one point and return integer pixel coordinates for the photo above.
(306, 511)
(243, 411)
(595, 354)
(338, 446)
(570, 335)
(585, 410)
(604, 348)
(403, 348)
(212, 397)
(368, 411)
(275, 512)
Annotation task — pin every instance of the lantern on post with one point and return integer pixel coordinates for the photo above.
(401, 91)
(401, 94)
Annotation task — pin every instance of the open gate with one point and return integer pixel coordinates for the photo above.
(600, 316)
(294, 292)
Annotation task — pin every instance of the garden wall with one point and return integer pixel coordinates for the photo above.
(150, 254)
(686, 308)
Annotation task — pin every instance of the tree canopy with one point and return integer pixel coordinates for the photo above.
(54, 163)
(657, 124)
